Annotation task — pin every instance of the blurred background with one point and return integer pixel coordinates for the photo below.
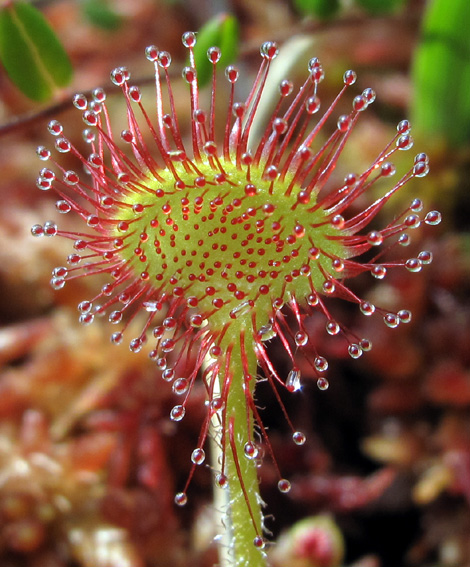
(90, 462)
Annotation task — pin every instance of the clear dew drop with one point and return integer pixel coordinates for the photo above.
(217, 404)
(231, 73)
(119, 76)
(47, 173)
(404, 142)
(269, 50)
(433, 218)
(135, 94)
(365, 344)
(284, 485)
(43, 153)
(189, 74)
(62, 145)
(50, 228)
(115, 317)
(329, 287)
(405, 316)
(116, 338)
(99, 95)
(259, 542)
(164, 59)
(80, 101)
(168, 345)
(312, 299)
(251, 450)
(349, 77)
(369, 94)
(379, 272)
(360, 103)
(60, 272)
(180, 386)
(425, 257)
(354, 350)
(214, 54)
(168, 374)
(57, 283)
(63, 207)
(177, 413)
(189, 39)
(90, 118)
(43, 184)
(332, 328)
(403, 127)
(301, 338)
(92, 221)
(55, 128)
(404, 239)
(343, 123)
(86, 318)
(413, 265)
(198, 456)
(85, 306)
(391, 320)
(420, 169)
(151, 53)
(375, 238)
(416, 205)
(367, 308)
(293, 380)
(387, 169)
(37, 230)
(338, 222)
(181, 499)
(338, 265)
(321, 364)
(169, 323)
(413, 221)
(322, 383)
(221, 480)
(136, 345)
(298, 437)
(88, 136)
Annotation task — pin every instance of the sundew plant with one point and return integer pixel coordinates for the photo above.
(220, 242)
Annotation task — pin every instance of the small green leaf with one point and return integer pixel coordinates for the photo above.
(441, 73)
(101, 14)
(223, 32)
(380, 7)
(322, 9)
(31, 53)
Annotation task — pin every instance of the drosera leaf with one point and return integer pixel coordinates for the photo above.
(31, 52)
(221, 31)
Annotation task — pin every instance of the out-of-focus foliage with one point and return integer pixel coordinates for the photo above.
(441, 73)
(322, 9)
(101, 14)
(380, 7)
(31, 53)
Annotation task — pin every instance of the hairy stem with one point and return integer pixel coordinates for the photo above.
(240, 503)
